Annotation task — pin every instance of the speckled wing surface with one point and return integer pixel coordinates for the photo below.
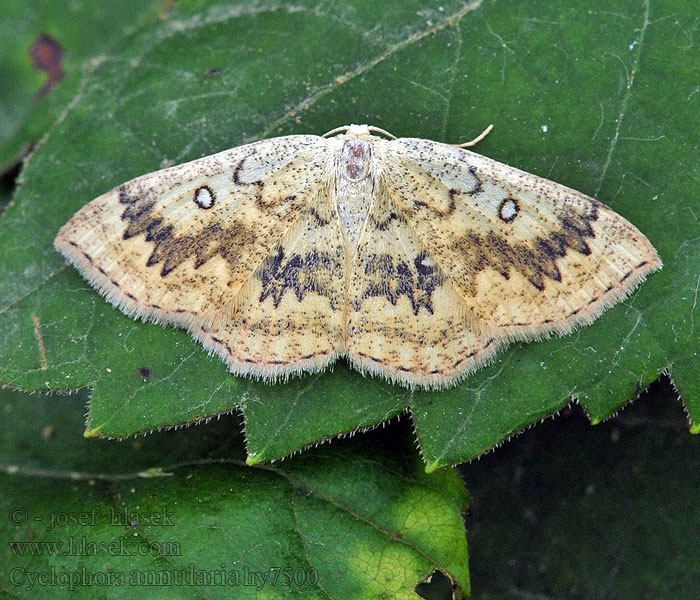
(511, 256)
(413, 259)
(191, 245)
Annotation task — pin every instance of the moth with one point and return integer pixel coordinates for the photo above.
(411, 259)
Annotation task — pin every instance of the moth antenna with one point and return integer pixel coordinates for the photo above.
(335, 131)
(413, 260)
(370, 128)
(477, 139)
(379, 130)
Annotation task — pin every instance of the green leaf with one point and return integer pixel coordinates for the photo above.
(47, 49)
(578, 93)
(570, 511)
(355, 519)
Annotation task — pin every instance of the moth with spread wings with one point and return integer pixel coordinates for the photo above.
(413, 259)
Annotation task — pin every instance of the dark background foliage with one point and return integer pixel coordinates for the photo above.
(603, 98)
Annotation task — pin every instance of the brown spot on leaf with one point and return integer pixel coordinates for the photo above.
(47, 55)
(166, 8)
(212, 73)
(8, 179)
(145, 372)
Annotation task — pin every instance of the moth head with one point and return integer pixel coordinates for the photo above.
(358, 131)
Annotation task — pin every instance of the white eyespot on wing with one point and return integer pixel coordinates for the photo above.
(413, 259)
(178, 245)
(529, 257)
(204, 197)
(508, 210)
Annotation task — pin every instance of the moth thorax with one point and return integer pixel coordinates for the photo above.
(354, 187)
(355, 160)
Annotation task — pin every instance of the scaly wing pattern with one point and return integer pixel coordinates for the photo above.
(527, 257)
(406, 321)
(178, 245)
(290, 315)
